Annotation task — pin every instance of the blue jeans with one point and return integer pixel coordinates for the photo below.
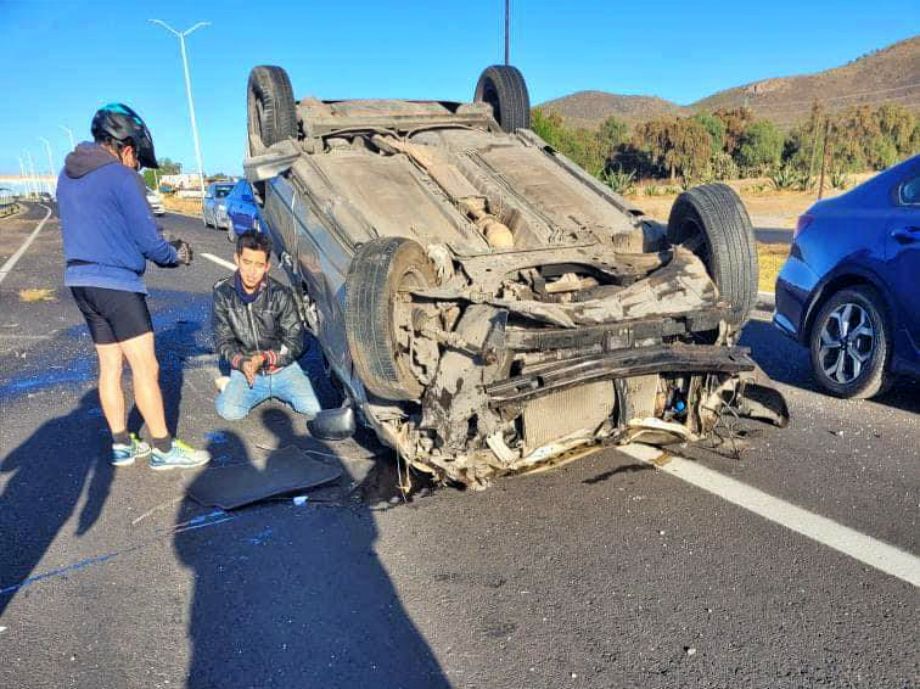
(290, 385)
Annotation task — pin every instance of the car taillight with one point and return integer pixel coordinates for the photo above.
(803, 222)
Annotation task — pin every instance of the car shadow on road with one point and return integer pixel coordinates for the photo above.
(785, 361)
(50, 471)
(296, 596)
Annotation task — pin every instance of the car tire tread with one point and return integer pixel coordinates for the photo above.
(731, 256)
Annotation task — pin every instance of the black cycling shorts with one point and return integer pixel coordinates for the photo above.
(113, 315)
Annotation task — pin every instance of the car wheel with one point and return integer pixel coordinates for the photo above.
(272, 113)
(850, 344)
(231, 233)
(378, 322)
(712, 222)
(204, 219)
(503, 87)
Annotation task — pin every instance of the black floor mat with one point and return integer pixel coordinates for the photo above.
(285, 470)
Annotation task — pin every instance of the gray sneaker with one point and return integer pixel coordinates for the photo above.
(181, 456)
(124, 455)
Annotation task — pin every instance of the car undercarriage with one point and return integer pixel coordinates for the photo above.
(486, 304)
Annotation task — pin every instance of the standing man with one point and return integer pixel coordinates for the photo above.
(109, 235)
(258, 331)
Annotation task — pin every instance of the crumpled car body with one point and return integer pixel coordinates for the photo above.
(486, 304)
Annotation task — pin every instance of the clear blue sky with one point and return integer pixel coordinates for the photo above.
(61, 60)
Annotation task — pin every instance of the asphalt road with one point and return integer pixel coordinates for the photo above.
(602, 573)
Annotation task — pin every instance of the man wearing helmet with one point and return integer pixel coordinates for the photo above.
(109, 235)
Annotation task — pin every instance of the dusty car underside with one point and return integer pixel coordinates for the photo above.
(486, 304)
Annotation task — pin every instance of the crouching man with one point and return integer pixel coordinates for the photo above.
(258, 331)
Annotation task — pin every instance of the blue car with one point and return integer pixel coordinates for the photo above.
(849, 289)
(242, 212)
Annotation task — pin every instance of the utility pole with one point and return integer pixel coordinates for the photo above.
(35, 181)
(814, 142)
(507, 32)
(827, 127)
(50, 164)
(188, 90)
(70, 134)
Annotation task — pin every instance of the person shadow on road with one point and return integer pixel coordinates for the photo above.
(49, 472)
(288, 596)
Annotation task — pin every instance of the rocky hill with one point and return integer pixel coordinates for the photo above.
(888, 75)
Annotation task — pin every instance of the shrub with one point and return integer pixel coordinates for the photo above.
(761, 147)
(839, 179)
(724, 166)
(619, 181)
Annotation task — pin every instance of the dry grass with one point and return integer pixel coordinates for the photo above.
(186, 206)
(36, 294)
(771, 258)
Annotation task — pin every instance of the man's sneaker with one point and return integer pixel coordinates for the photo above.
(181, 456)
(124, 455)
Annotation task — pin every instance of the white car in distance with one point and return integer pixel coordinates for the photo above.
(155, 199)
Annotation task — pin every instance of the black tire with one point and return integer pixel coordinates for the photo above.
(379, 270)
(270, 105)
(503, 87)
(872, 378)
(711, 221)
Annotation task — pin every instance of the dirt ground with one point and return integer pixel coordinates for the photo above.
(185, 206)
(766, 206)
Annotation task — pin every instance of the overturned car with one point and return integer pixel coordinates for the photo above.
(486, 304)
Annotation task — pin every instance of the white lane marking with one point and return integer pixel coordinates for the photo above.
(219, 261)
(11, 261)
(877, 554)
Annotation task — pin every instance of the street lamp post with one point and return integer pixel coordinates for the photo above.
(24, 177)
(188, 90)
(35, 182)
(70, 134)
(50, 164)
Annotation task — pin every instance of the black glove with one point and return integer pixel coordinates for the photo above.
(184, 249)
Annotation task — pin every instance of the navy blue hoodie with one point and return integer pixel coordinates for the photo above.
(108, 227)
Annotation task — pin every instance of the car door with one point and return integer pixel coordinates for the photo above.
(247, 209)
(234, 213)
(208, 209)
(902, 256)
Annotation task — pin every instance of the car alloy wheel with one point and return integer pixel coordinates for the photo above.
(848, 342)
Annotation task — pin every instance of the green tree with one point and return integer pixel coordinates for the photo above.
(760, 147)
(169, 167)
(691, 149)
(548, 127)
(736, 120)
(715, 127)
(897, 124)
(612, 133)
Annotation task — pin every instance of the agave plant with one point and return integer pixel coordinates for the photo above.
(785, 178)
(619, 181)
(840, 179)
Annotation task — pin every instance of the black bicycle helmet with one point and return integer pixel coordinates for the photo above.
(119, 122)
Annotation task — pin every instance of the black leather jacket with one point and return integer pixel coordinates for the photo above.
(269, 324)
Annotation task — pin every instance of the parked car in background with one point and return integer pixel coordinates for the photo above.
(242, 212)
(156, 202)
(848, 290)
(214, 210)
